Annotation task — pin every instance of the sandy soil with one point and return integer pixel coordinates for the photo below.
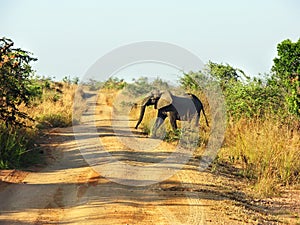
(72, 190)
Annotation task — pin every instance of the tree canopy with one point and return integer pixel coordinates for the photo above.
(286, 71)
(15, 82)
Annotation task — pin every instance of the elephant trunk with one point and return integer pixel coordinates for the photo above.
(143, 107)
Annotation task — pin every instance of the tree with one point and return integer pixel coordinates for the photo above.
(286, 71)
(16, 87)
(224, 75)
(140, 86)
(248, 97)
(114, 83)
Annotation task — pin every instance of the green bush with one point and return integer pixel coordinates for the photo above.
(253, 99)
(245, 97)
(16, 86)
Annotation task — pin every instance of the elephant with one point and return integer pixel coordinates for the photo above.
(183, 108)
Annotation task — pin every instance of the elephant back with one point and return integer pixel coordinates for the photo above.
(166, 99)
(185, 106)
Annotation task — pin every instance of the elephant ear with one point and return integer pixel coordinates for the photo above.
(166, 99)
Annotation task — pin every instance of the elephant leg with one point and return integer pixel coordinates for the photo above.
(158, 122)
(172, 118)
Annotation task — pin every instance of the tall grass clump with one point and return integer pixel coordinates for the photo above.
(13, 145)
(266, 151)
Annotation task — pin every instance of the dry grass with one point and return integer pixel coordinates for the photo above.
(110, 96)
(54, 109)
(267, 153)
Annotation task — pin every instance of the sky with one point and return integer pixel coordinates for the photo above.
(67, 37)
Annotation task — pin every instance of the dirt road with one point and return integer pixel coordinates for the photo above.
(101, 190)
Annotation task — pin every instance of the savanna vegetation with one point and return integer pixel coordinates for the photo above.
(262, 139)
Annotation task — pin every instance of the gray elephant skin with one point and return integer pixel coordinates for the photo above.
(183, 108)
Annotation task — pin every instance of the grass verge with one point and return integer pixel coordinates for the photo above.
(266, 152)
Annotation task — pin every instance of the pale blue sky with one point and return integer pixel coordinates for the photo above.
(69, 36)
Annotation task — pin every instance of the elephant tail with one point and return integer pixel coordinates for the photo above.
(197, 101)
(205, 117)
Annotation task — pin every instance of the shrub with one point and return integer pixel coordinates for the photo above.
(253, 99)
(244, 97)
(16, 86)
